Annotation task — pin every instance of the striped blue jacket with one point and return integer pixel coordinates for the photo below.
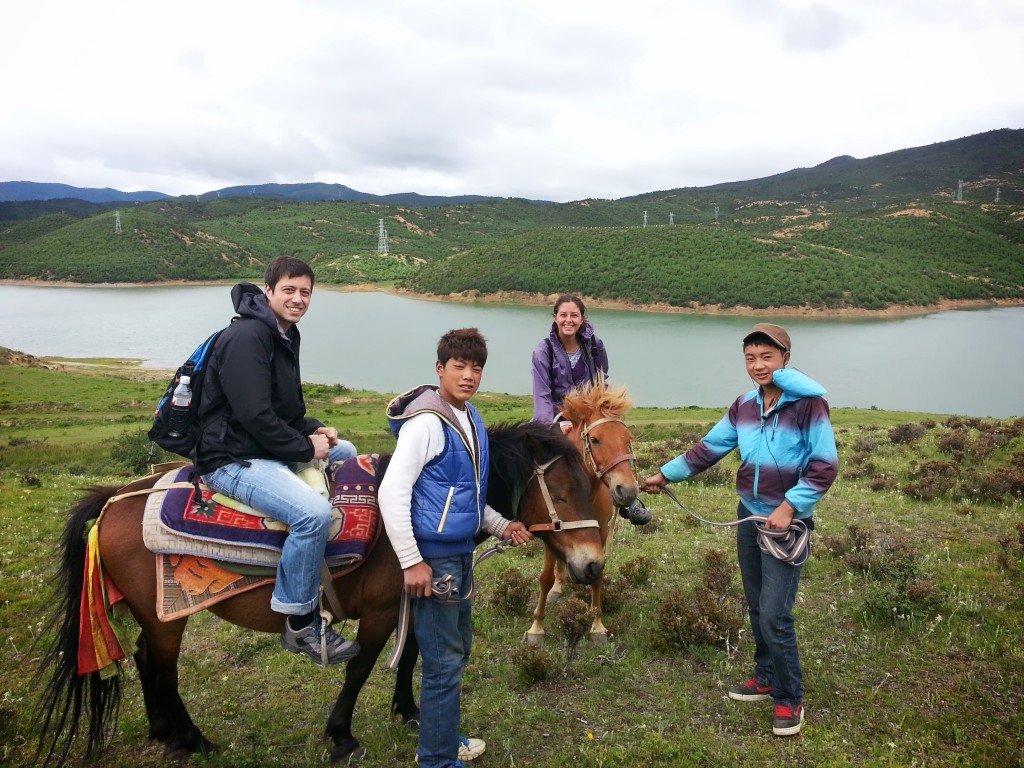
(788, 453)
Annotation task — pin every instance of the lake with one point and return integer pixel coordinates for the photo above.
(959, 362)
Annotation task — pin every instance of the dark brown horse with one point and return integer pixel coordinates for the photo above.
(597, 413)
(371, 593)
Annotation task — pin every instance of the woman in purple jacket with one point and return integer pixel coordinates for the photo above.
(570, 355)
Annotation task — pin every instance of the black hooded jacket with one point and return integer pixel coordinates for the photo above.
(252, 405)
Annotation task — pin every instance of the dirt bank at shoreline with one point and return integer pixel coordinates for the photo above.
(546, 300)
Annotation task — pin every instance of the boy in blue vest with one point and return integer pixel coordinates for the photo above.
(433, 503)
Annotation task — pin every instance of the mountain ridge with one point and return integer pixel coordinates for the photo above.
(953, 160)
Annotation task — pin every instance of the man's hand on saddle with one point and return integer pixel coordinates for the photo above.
(330, 433)
(516, 533)
(321, 444)
(654, 483)
(418, 580)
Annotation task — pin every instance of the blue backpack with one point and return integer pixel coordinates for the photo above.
(185, 443)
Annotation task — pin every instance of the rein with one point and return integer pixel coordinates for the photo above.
(442, 590)
(790, 545)
(589, 453)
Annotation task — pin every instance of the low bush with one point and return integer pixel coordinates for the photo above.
(510, 592)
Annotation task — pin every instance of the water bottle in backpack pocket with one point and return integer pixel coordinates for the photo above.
(175, 423)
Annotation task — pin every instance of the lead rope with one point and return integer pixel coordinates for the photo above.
(790, 545)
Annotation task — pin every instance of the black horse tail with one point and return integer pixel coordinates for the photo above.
(68, 696)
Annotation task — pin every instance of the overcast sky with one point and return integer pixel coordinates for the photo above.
(548, 99)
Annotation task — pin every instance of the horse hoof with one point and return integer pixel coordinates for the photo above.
(599, 638)
(533, 639)
(554, 597)
(348, 752)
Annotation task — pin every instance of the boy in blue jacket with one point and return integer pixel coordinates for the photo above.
(788, 462)
(433, 503)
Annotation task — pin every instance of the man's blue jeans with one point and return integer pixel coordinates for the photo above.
(444, 631)
(274, 489)
(770, 586)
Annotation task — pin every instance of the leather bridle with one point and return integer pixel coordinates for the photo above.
(588, 451)
(556, 523)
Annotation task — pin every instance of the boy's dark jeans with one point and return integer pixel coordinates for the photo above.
(444, 631)
(770, 586)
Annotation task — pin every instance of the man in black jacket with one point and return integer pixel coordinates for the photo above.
(254, 430)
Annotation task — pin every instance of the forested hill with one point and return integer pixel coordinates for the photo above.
(866, 233)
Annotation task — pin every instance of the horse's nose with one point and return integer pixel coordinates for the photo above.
(624, 494)
(592, 570)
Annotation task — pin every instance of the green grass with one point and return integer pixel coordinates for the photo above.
(936, 685)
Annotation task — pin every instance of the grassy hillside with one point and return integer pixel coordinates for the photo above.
(773, 256)
(910, 612)
(849, 233)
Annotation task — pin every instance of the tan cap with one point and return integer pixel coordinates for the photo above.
(776, 333)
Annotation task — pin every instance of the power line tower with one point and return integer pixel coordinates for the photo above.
(645, 218)
(959, 190)
(117, 222)
(382, 237)
(997, 194)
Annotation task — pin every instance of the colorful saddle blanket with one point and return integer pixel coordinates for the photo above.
(227, 530)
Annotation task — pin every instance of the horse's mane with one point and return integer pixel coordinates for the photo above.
(596, 399)
(516, 449)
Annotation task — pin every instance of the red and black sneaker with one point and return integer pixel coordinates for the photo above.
(752, 690)
(788, 720)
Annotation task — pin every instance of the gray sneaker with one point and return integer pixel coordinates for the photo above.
(637, 513)
(309, 641)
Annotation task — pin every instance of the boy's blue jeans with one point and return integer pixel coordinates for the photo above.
(274, 489)
(770, 586)
(444, 631)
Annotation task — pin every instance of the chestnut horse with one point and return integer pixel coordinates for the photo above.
(597, 414)
(520, 486)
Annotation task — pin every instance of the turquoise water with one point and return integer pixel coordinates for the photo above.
(961, 362)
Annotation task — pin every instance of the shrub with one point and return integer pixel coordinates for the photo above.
(865, 444)
(1002, 484)
(533, 663)
(574, 620)
(711, 614)
(883, 481)
(931, 480)
(511, 592)
(954, 443)
(906, 433)
(715, 475)
(130, 451)
(890, 602)
(867, 469)
(613, 594)
(637, 572)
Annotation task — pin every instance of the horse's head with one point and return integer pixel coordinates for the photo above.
(537, 478)
(599, 430)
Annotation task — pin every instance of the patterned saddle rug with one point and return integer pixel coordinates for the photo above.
(214, 550)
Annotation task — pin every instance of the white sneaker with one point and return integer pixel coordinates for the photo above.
(470, 749)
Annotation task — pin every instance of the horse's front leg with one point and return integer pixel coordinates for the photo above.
(535, 635)
(598, 631)
(555, 593)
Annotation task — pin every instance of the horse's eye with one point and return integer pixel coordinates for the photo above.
(559, 499)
